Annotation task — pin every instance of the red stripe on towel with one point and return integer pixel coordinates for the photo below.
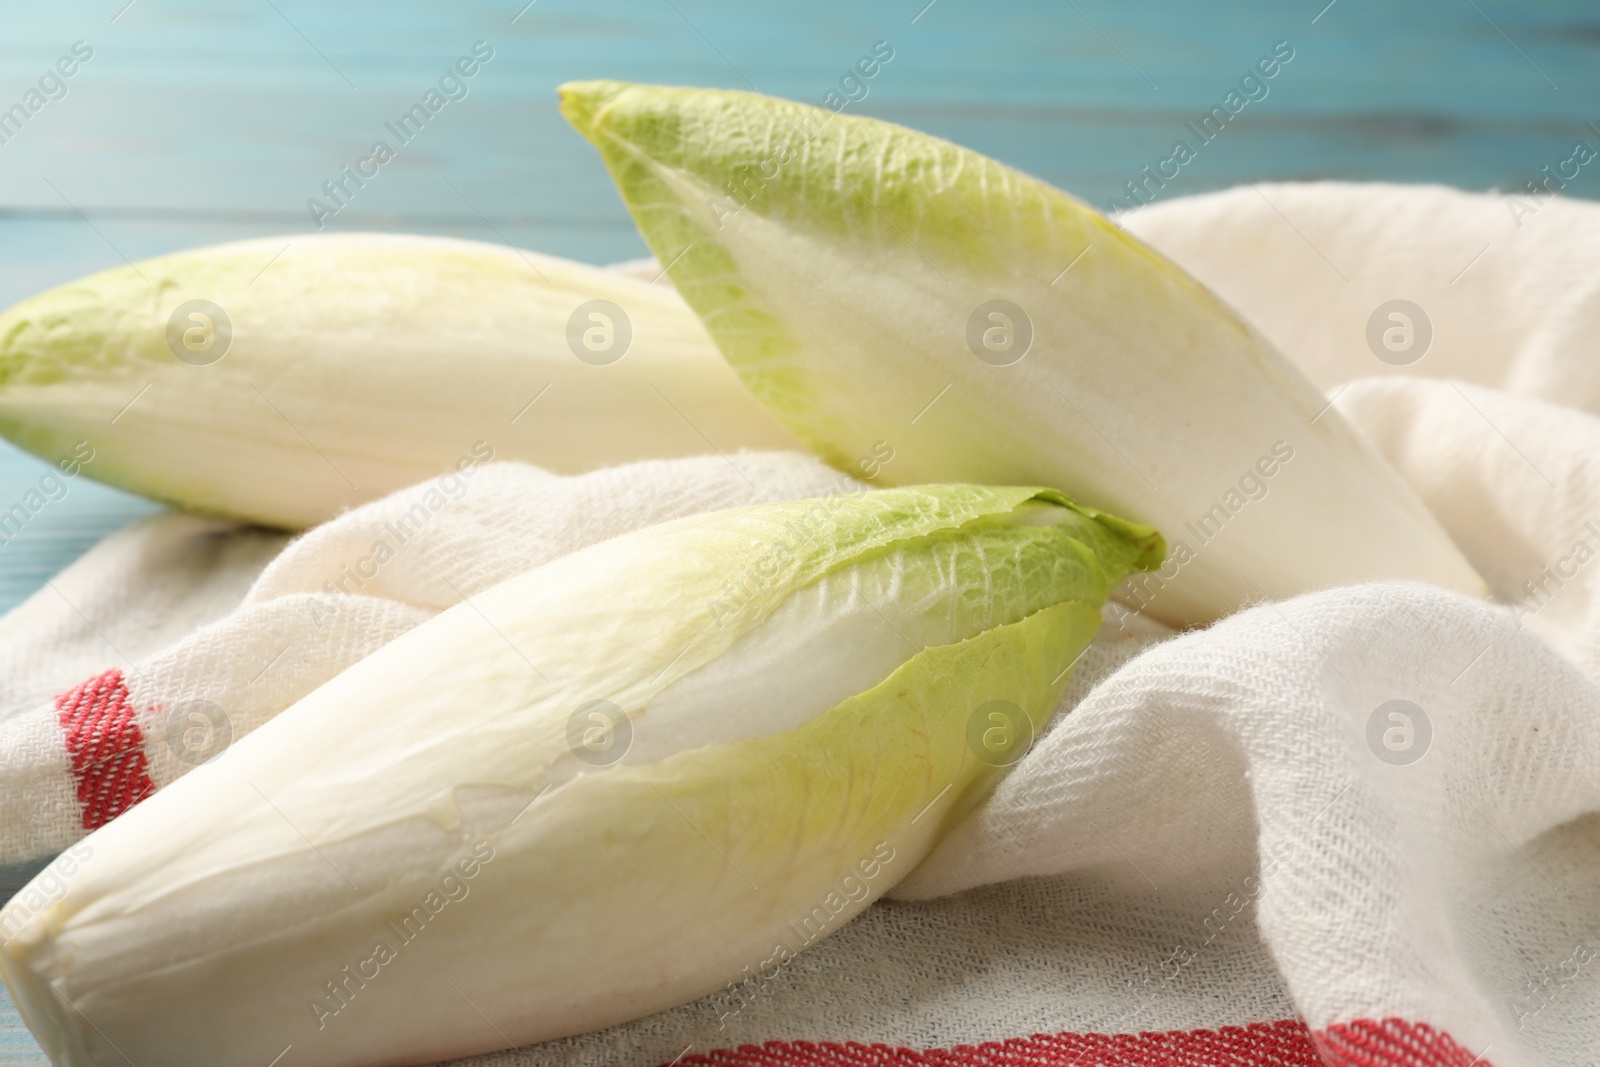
(1286, 1043)
(1392, 1043)
(107, 748)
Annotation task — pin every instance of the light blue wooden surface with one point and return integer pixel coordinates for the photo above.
(195, 123)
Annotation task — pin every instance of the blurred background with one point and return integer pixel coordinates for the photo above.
(185, 124)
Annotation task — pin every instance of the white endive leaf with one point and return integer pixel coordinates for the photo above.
(282, 380)
(452, 846)
(916, 312)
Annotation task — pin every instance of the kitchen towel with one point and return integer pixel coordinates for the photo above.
(1356, 828)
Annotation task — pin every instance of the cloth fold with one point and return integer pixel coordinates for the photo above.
(1358, 828)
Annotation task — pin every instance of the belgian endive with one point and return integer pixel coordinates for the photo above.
(595, 791)
(284, 379)
(888, 293)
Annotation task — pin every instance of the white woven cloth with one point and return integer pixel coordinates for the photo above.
(1354, 828)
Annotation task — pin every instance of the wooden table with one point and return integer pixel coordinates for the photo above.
(199, 123)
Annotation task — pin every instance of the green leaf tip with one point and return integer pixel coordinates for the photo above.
(581, 101)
